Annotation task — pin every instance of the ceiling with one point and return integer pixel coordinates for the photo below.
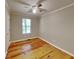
(49, 5)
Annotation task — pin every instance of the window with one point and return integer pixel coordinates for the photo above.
(26, 26)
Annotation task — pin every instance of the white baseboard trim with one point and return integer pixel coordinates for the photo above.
(47, 42)
(57, 47)
(22, 39)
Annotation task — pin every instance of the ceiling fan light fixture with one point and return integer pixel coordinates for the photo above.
(34, 10)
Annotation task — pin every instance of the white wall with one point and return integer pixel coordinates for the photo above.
(58, 28)
(16, 27)
(7, 27)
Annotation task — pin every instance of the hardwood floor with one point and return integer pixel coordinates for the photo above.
(35, 49)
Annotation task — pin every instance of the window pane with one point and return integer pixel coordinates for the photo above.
(26, 26)
(28, 29)
(28, 22)
(23, 27)
(24, 31)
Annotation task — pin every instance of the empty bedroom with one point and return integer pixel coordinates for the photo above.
(39, 29)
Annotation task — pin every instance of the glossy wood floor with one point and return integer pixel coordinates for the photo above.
(35, 49)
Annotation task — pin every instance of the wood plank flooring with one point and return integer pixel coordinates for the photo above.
(35, 49)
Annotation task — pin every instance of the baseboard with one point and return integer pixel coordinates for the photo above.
(56, 46)
(22, 39)
(47, 42)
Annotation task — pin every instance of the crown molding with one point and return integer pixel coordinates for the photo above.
(59, 9)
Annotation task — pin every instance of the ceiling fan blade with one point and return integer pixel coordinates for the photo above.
(29, 10)
(42, 10)
(22, 2)
(40, 1)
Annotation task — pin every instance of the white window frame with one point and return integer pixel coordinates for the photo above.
(24, 26)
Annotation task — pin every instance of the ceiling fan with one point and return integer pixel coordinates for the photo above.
(36, 8)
